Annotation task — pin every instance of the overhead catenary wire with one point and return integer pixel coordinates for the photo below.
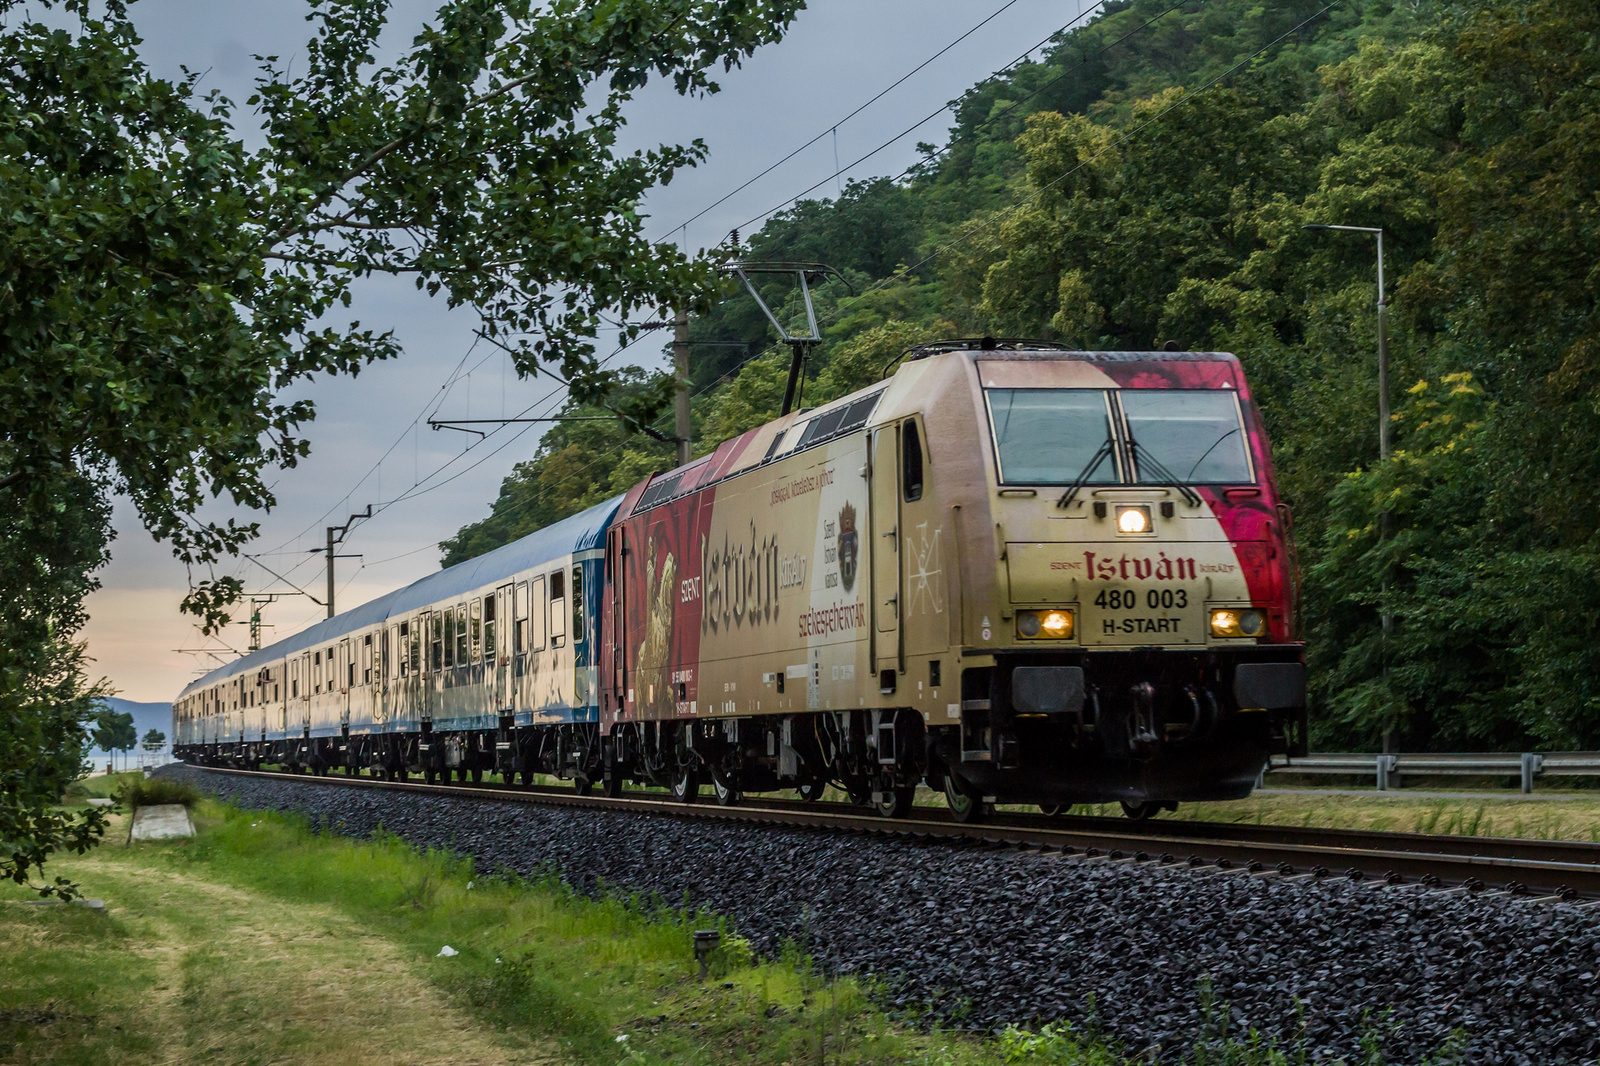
(915, 125)
(834, 128)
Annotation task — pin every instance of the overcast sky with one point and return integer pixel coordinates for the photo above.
(370, 443)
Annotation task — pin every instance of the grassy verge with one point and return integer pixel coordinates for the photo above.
(262, 941)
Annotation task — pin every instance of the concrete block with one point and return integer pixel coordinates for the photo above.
(165, 821)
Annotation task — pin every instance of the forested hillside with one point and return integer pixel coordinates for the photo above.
(1147, 182)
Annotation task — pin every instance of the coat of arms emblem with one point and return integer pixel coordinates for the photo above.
(849, 546)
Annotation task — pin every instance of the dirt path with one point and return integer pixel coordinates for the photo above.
(236, 976)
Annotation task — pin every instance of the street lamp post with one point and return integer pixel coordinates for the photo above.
(1386, 618)
(1383, 336)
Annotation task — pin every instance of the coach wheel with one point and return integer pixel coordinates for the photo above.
(811, 789)
(477, 776)
(612, 784)
(727, 796)
(1140, 812)
(859, 794)
(964, 807)
(582, 785)
(686, 787)
(1051, 810)
(895, 802)
(527, 777)
(429, 777)
(402, 774)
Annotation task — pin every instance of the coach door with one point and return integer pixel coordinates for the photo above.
(885, 532)
(307, 683)
(497, 625)
(345, 666)
(613, 646)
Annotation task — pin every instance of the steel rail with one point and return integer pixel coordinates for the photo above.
(1534, 868)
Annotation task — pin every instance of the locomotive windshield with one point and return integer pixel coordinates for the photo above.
(1050, 436)
(1195, 434)
(1059, 436)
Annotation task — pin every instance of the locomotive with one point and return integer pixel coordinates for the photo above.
(1014, 572)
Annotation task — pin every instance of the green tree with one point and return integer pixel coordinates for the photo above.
(114, 731)
(154, 740)
(162, 284)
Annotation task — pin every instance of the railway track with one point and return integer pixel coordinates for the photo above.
(1535, 869)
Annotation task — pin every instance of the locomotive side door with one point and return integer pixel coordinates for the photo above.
(924, 610)
(884, 485)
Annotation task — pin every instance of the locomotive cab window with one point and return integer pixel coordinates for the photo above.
(1195, 435)
(910, 461)
(1052, 436)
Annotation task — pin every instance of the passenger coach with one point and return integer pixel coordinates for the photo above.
(1015, 573)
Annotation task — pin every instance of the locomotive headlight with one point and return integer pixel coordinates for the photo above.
(1135, 519)
(1044, 625)
(1237, 622)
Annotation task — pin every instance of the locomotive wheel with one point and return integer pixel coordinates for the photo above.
(527, 777)
(811, 789)
(963, 806)
(896, 802)
(477, 776)
(402, 774)
(860, 795)
(1140, 812)
(686, 787)
(429, 777)
(582, 785)
(612, 785)
(1051, 810)
(727, 796)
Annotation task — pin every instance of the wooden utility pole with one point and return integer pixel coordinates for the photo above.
(680, 366)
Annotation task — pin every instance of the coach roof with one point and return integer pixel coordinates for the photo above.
(583, 531)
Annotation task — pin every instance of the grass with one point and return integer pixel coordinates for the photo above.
(1576, 818)
(261, 940)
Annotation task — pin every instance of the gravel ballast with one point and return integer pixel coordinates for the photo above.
(990, 938)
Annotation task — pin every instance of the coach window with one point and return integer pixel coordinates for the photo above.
(911, 461)
(366, 659)
(316, 671)
(475, 628)
(536, 618)
(449, 637)
(577, 605)
(436, 639)
(558, 609)
(461, 634)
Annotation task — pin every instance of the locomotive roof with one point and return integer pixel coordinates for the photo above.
(580, 532)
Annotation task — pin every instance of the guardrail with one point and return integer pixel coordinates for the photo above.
(1528, 765)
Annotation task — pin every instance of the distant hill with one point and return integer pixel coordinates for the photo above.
(146, 716)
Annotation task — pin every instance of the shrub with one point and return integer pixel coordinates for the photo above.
(155, 791)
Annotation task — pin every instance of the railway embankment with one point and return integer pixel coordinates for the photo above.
(1149, 954)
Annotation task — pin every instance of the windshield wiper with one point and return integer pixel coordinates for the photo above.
(1205, 454)
(1167, 477)
(1083, 477)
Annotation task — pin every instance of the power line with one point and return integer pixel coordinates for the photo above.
(919, 123)
(835, 127)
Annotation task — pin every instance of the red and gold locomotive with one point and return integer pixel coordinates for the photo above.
(1023, 575)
